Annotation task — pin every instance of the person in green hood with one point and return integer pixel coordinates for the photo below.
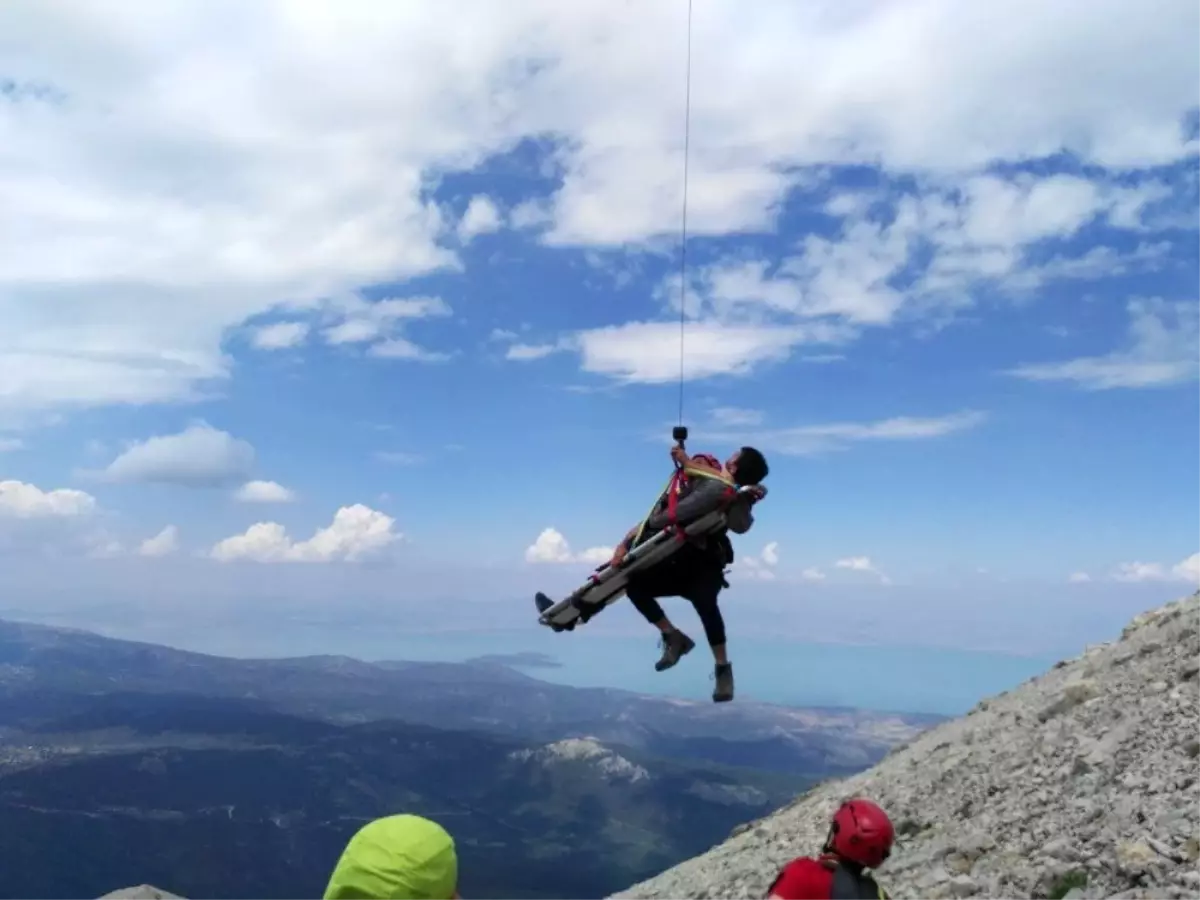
(402, 857)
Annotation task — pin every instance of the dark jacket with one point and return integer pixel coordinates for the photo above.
(697, 498)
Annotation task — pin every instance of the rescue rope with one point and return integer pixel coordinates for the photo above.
(687, 129)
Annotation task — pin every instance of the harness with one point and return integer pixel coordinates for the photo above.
(677, 482)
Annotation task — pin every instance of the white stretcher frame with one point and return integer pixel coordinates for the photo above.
(606, 585)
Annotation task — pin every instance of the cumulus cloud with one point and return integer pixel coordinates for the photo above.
(812, 574)
(356, 533)
(264, 492)
(165, 543)
(481, 217)
(1186, 570)
(862, 564)
(940, 243)
(167, 197)
(760, 566)
(381, 324)
(551, 547)
(198, 456)
(1163, 349)
(1140, 571)
(1079, 577)
(103, 546)
(27, 501)
(280, 335)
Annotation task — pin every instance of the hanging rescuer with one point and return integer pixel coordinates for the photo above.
(681, 549)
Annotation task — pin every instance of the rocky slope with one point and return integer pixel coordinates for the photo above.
(1079, 783)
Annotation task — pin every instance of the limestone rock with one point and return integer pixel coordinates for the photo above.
(1082, 782)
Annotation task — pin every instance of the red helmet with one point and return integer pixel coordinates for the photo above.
(861, 832)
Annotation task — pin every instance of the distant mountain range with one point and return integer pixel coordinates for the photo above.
(478, 696)
(124, 762)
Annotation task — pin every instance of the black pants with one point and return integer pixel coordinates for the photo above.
(690, 573)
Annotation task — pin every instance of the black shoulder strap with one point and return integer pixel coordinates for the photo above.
(848, 886)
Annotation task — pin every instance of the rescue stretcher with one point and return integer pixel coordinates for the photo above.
(710, 510)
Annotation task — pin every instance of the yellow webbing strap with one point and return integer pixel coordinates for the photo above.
(709, 473)
(674, 482)
(657, 500)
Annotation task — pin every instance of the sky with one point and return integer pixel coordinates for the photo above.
(323, 325)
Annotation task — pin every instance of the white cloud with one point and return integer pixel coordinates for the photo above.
(280, 335)
(7, 444)
(862, 564)
(164, 543)
(359, 321)
(170, 196)
(594, 556)
(1185, 570)
(1163, 349)
(264, 492)
(1188, 569)
(27, 501)
(402, 348)
(102, 546)
(519, 351)
(527, 352)
(1140, 571)
(481, 217)
(1079, 577)
(356, 533)
(648, 352)
(942, 240)
(551, 547)
(761, 567)
(199, 456)
(352, 331)
(812, 574)
(809, 440)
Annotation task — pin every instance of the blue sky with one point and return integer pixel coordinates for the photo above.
(298, 303)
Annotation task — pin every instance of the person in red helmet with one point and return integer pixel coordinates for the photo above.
(860, 837)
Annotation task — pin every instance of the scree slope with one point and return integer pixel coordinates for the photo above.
(1079, 783)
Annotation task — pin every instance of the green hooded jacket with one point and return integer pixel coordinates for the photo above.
(404, 857)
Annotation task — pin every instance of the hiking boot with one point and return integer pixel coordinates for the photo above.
(723, 691)
(675, 646)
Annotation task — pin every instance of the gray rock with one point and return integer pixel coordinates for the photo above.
(1087, 769)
